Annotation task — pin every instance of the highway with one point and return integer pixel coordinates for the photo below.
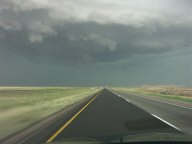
(178, 115)
(109, 115)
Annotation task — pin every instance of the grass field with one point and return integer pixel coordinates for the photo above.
(22, 106)
(167, 92)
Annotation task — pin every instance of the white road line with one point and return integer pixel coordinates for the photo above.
(128, 100)
(166, 122)
(176, 105)
(166, 102)
(121, 96)
(156, 115)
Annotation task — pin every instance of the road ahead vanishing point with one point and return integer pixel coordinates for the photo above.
(109, 116)
(106, 116)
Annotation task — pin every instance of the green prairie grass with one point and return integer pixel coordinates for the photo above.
(22, 106)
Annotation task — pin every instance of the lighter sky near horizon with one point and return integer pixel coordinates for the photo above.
(95, 42)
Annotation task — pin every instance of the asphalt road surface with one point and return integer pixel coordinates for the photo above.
(178, 115)
(109, 117)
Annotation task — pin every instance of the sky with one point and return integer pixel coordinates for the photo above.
(95, 42)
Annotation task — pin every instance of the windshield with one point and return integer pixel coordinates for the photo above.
(95, 71)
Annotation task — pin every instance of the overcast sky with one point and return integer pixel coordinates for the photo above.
(96, 42)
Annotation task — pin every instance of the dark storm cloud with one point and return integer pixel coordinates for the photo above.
(90, 42)
(93, 31)
(97, 42)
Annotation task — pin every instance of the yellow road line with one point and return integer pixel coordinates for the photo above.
(66, 124)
